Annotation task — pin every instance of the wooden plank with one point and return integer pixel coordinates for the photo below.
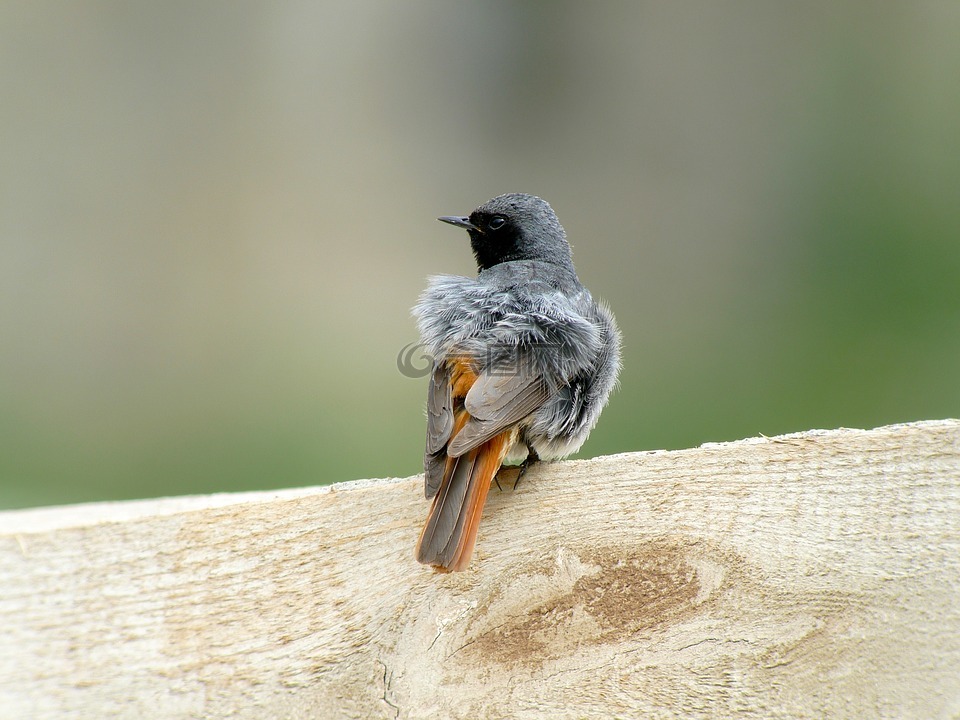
(809, 575)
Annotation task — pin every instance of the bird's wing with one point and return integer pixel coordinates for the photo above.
(439, 427)
(439, 408)
(496, 400)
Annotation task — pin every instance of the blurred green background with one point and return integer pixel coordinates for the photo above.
(215, 216)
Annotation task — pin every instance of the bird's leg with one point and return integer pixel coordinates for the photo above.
(531, 458)
(520, 469)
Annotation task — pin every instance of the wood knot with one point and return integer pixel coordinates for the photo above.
(599, 595)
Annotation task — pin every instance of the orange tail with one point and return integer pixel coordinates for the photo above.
(450, 532)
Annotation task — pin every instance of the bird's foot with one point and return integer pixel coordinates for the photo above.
(531, 459)
(504, 472)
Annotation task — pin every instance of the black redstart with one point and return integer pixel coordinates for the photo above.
(524, 360)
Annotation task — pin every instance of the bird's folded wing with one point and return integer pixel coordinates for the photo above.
(439, 408)
(439, 427)
(497, 400)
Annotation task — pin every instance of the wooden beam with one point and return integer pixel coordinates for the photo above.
(811, 575)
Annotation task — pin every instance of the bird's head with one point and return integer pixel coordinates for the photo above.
(515, 226)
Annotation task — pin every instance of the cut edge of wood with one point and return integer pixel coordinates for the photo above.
(57, 517)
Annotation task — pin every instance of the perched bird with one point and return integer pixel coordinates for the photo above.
(523, 362)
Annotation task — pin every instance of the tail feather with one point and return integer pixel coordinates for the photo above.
(449, 535)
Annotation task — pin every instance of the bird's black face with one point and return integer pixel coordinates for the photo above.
(495, 238)
(514, 227)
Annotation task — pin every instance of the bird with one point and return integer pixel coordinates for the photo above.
(523, 361)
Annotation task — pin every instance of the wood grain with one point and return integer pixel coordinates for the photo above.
(809, 575)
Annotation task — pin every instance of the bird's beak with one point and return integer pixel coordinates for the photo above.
(463, 222)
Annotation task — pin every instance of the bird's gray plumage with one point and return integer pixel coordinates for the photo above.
(546, 352)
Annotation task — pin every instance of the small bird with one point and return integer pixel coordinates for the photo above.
(524, 360)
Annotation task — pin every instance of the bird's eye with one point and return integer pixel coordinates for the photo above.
(497, 222)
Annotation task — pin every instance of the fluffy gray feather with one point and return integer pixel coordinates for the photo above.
(526, 317)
